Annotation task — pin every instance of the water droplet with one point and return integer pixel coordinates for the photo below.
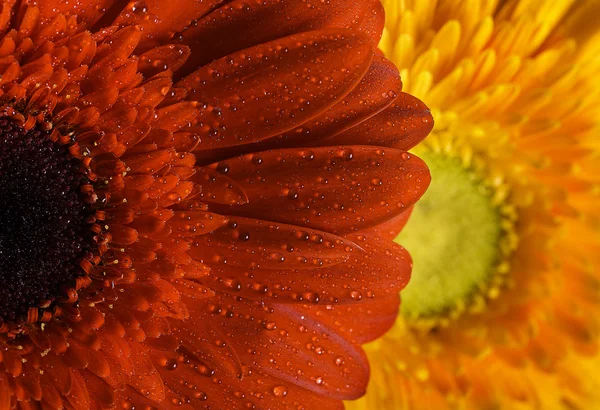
(356, 295)
(280, 391)
(222, 168)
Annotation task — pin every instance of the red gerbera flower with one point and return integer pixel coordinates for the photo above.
(187, 196)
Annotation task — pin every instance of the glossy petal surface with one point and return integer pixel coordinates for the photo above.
(341, 189)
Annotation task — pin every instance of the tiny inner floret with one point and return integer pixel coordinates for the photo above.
(460, 237)
(44, 229)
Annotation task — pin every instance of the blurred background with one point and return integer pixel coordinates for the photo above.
(502, 311)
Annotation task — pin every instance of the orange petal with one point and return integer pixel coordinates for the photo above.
(379, 272)
(168, 57)
(211, 38)
(27, 385)
(218, 188)
(376, 91)
(176, 116)
(287, 345)
(123, 235)
(6, 13)
(87, 11)
(194, 223)
(78, 397)
(145, 378)
(160, 21)
(390, 228)
(5, 399)
(149, 163)
(59, 373)
(237, 389)
(361, 322)
(100, 392)
(336, 189)
(50, 395)
(402, 126)
(253, 243)
(274, 87)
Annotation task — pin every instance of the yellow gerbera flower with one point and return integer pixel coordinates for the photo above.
(503, 308)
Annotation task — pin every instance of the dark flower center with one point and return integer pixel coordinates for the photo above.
(43, 228)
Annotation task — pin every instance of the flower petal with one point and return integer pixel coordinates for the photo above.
(402, 126)
(160, 21)
(376, 91)
(380, 271)
(254, 243)
(361, 322)
(282, 342)
(211, 38)
(335, 189)
(390, 228)
(87, 11)
(4, 387)
(218, 188)
(192, 391)
(271, 88)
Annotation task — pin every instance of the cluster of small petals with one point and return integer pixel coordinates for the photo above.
(237, 263)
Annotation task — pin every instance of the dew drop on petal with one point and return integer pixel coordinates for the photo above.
(280, 391)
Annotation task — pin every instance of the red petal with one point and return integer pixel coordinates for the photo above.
(160, 21)
(176, 116)
(148, 163)
(376, 91)
(253, 243)
(159, 59)
(274, 87)
(156, 91)
(145, 378)
(87, 11)
(195, 223)
(131, 399)
(361, 322)
(123, 235)
(116, 119)
(380, 271)
(218, 188)
(118, 46)
(336, 189)
(186, 370)
(59, 373)
(5, 398)
(282, 342)
(100, 392)
(212, 39)
(401, 126)
(78, 397)
(390, 228)
(50, 395)
(6, 13)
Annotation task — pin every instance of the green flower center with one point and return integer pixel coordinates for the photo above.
(454, 236)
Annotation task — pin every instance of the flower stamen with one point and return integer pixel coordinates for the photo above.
(469, 226)
(46, 243)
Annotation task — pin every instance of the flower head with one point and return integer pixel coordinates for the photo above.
(189, 200)
(502, 308)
